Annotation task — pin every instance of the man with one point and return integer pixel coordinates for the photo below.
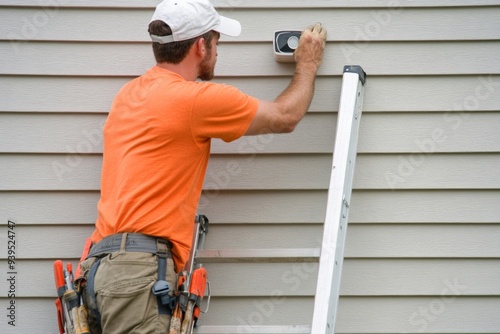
(156, 149)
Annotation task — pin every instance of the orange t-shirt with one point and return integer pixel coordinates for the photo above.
(156, 150)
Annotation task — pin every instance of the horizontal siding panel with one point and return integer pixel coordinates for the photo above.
(383, 133)
(261, 255)
(379, 133)
(49, 208)
(361, 315)
(462, 94)
(422, 277)
(429, 133)
(56, 94)
(41, 242)
(50, 172)
(259, 3)
(402, 58)
(427, 171)
(360, 278)
(51, 133)
(363, 241)
(343, 24)
(92, 94)
(226, 207)
(312, 171)
(417, 315)
(65, 242)
(435, 206)
(370, 241)
(422, 241)
(281, 207)
(356, 315)
(264, 236)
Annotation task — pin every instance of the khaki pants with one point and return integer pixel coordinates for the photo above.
(123, 283)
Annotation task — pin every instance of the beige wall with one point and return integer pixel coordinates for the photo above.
(423, 247)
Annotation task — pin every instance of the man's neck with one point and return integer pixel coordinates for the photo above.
(187, 69)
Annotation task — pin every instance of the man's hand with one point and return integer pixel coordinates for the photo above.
(311, 46)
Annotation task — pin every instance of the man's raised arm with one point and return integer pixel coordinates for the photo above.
(283, 114)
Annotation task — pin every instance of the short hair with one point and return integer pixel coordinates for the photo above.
(174, 52)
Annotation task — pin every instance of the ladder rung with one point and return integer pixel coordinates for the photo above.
(259, 255)
(254, 329)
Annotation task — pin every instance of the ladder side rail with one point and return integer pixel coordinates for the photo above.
(339, 197)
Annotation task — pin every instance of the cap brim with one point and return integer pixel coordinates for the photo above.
(228, 27)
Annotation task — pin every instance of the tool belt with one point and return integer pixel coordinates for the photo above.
(132, 242)
(76, 305)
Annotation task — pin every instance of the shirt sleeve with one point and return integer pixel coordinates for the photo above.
(222, 111)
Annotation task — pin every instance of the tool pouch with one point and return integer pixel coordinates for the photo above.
(81, 281)
(88, 268)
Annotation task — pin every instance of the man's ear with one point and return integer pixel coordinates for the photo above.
(201, 50)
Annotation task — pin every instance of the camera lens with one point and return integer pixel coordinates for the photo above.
(293, 42)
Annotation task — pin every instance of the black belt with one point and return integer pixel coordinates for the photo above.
(134, 242)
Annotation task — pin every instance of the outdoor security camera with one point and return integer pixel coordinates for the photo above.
(284, 43)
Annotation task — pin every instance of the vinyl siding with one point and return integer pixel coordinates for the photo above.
(423, 244)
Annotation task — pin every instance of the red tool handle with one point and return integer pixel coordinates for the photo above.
(60, 317)
(198, 282)
(59, 277)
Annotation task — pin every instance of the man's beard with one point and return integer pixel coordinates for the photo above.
(206, 69)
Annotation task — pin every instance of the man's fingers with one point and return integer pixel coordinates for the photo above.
(316, 29)
(323, 32)
(320, 30)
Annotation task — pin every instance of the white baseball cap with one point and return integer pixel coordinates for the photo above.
(192, 18)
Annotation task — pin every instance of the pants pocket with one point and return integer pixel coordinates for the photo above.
(123, 292)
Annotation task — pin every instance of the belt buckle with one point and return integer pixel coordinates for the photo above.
(162, 289)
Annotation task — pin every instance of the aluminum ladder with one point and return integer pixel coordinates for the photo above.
(331, 253)
(339, 199)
